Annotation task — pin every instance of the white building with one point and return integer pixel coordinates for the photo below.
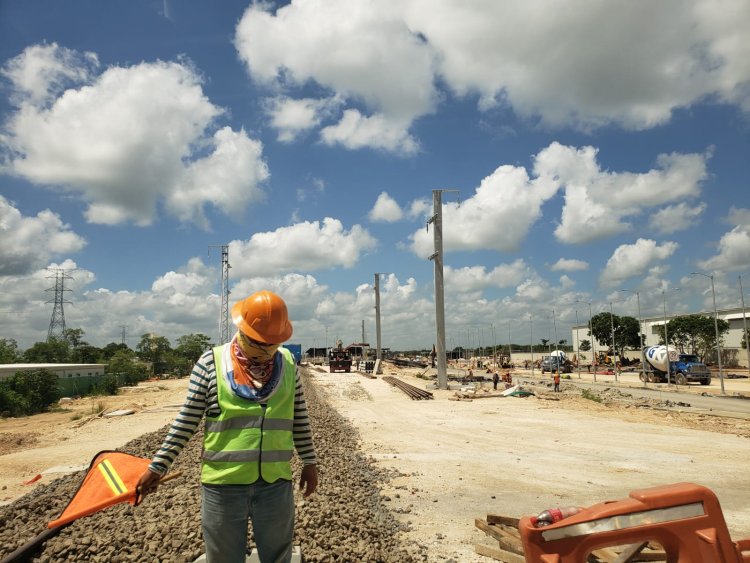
(732, 354)
(63, 371)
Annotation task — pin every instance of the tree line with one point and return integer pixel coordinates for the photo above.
(690, 334)
(31, 392)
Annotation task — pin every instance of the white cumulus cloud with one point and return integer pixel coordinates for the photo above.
(386, 209)
(599, 202)
(390, 56)
(569, 265)
(498, 216)
(128, 138)
(307, 246)
(675, 218)
(629, 260)
(30, 242)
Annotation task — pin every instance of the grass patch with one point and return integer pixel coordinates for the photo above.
(76, 416)
(590, 395)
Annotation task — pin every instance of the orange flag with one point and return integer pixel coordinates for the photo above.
(111, 479)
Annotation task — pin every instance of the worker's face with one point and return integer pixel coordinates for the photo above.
(259, 352)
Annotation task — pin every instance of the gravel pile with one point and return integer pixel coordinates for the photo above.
(345, 520)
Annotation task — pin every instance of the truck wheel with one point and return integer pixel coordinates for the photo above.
(680, 379)
(641, 377)
(706, 381)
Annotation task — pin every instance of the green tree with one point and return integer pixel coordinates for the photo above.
(584, 345)
(9, 353)
(154, 348)
(54, 351)
(626, 331)
(191, 346)
(38, 389)
(86, 354)
(74, 336)
(11, 402)
(695, 334)
(125, 364)
(112, 348)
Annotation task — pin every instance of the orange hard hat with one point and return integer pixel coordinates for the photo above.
(263, 317)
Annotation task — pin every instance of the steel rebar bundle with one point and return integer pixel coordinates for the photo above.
(415, 393)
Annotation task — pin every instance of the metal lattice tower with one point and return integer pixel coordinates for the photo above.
(57, 322)
(224, 313)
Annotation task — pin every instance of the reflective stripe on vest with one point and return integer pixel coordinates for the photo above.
(249, 440)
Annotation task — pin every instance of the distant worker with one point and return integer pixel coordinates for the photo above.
(556, 379)
(256, 415)
(495, 380)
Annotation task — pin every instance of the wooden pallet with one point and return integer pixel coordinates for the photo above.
(509, 548)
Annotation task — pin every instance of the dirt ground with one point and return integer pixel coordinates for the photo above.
(51, 444)
(452, 461)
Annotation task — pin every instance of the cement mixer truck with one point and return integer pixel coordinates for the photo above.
(683, 368)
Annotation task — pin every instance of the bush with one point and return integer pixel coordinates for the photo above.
(107, 385)
(29, 392)
(11, 403)
(590, 395)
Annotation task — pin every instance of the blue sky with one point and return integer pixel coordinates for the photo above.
(594, 147)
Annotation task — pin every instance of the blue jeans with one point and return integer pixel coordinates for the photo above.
(224, 514)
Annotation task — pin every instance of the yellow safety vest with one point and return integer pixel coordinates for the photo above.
(249, 440)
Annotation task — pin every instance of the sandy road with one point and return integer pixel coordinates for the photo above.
(461, 460)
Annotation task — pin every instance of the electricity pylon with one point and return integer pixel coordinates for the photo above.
(57, 322)
(224, 312)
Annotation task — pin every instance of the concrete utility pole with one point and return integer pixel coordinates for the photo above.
(531, 341)
(57, 321)
(593, 338)
(640, 335)
(378, 352)
(437, 258)
(557, 361)
(716, 327)
(666, 335)
(224, 311)
(578, 347)
(614, 345)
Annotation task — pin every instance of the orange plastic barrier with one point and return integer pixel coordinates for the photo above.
(685, 518)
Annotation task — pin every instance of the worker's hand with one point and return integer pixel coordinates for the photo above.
(308, 482)
(147, 484)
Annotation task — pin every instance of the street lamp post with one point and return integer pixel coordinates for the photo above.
(716, 326)
(578, 347)
(510, 352)
(593, 338)
(744, 321)
(531, 341)
(557, 360)
(666, 334)
(614, 345)
(640, 334)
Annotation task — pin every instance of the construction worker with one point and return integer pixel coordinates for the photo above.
(495, 380)
(249, 391)
(556, 379)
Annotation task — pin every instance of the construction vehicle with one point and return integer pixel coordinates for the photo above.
(555, 361)
(680, 368)
(339, 359)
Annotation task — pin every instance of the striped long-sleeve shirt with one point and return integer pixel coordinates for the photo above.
(202, 399)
